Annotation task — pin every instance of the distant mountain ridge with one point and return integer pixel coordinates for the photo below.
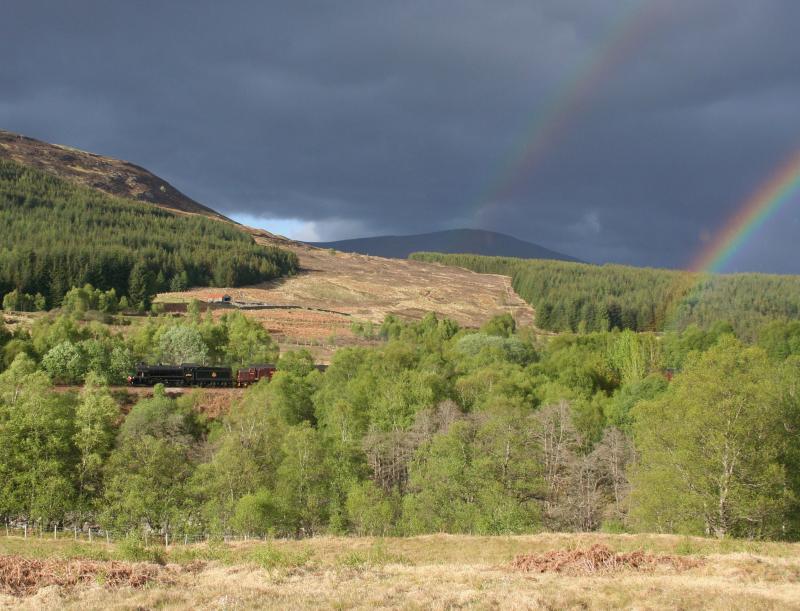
(461, 241)
(106, 174)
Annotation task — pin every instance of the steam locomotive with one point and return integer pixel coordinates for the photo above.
(189, 374)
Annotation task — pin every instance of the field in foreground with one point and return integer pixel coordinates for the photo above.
(439, 571)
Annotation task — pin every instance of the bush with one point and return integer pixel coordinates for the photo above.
(133, 549)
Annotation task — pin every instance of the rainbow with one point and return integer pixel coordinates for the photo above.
(751, 216)
(567, 103)
(779, 189)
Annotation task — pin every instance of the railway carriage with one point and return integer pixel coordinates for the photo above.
(254, 373)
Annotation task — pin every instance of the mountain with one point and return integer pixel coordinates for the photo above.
(68, 217)
(466, 241)
(57, 232)
(105, 174)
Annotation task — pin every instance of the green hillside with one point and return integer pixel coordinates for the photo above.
(56, 235)
(580, 297)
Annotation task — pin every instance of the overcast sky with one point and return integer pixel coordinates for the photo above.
(647, 123)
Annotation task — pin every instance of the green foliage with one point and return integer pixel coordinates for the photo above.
(635, 356)
(367, 330)
(270, 557)
(369, 510)
(780, 339)
(302, 486)
(475, 477)
(78, 301)
(79, 353)
(133, 549)
(144, 484)
(136, 249)
(95, 419)
(15, 301)
(248, 340)
(293, 386)
(182, 344)
(65, 362)
(148, 473)
(618, 409)
(38, 462)
(502, 325)
(713, 449)
(580, 297)
(376, 556)
(436, 429)
(246, 455)
(254, 513)
(496, 348)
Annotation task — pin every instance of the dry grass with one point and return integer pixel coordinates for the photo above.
(599, 559)
(442, 572)
(20, 576)
(360, 287)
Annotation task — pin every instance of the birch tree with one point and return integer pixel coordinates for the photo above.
(712, 449)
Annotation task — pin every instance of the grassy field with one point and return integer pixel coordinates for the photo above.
(358, 287)
(438, 571)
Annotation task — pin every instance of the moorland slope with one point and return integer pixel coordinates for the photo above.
(106, 174)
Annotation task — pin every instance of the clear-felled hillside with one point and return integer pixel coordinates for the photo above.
(56, 235)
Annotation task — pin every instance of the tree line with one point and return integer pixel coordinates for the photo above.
(579, 297)
(75, 343)
(58, 235)
(439, 429)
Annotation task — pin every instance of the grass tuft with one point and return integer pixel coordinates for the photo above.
(133, 549)
(269, 557)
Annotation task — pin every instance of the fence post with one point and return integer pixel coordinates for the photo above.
(6, 528)
(55, 531)
(75, 532)
(108, 541)
(26, 530)
(166, 538)
(186, 539)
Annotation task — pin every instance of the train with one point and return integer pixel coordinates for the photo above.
(205, 376)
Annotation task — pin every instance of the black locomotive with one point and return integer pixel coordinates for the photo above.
(189, 374)
(186, 374)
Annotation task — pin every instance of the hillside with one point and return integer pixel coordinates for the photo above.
(572, 296)
(58, 235)
(333, 289)
(105, 174)
(472, 241)
(58, 197)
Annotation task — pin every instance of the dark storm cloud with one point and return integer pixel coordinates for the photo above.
(371, 117)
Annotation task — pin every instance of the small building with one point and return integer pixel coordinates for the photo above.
(219, 298)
